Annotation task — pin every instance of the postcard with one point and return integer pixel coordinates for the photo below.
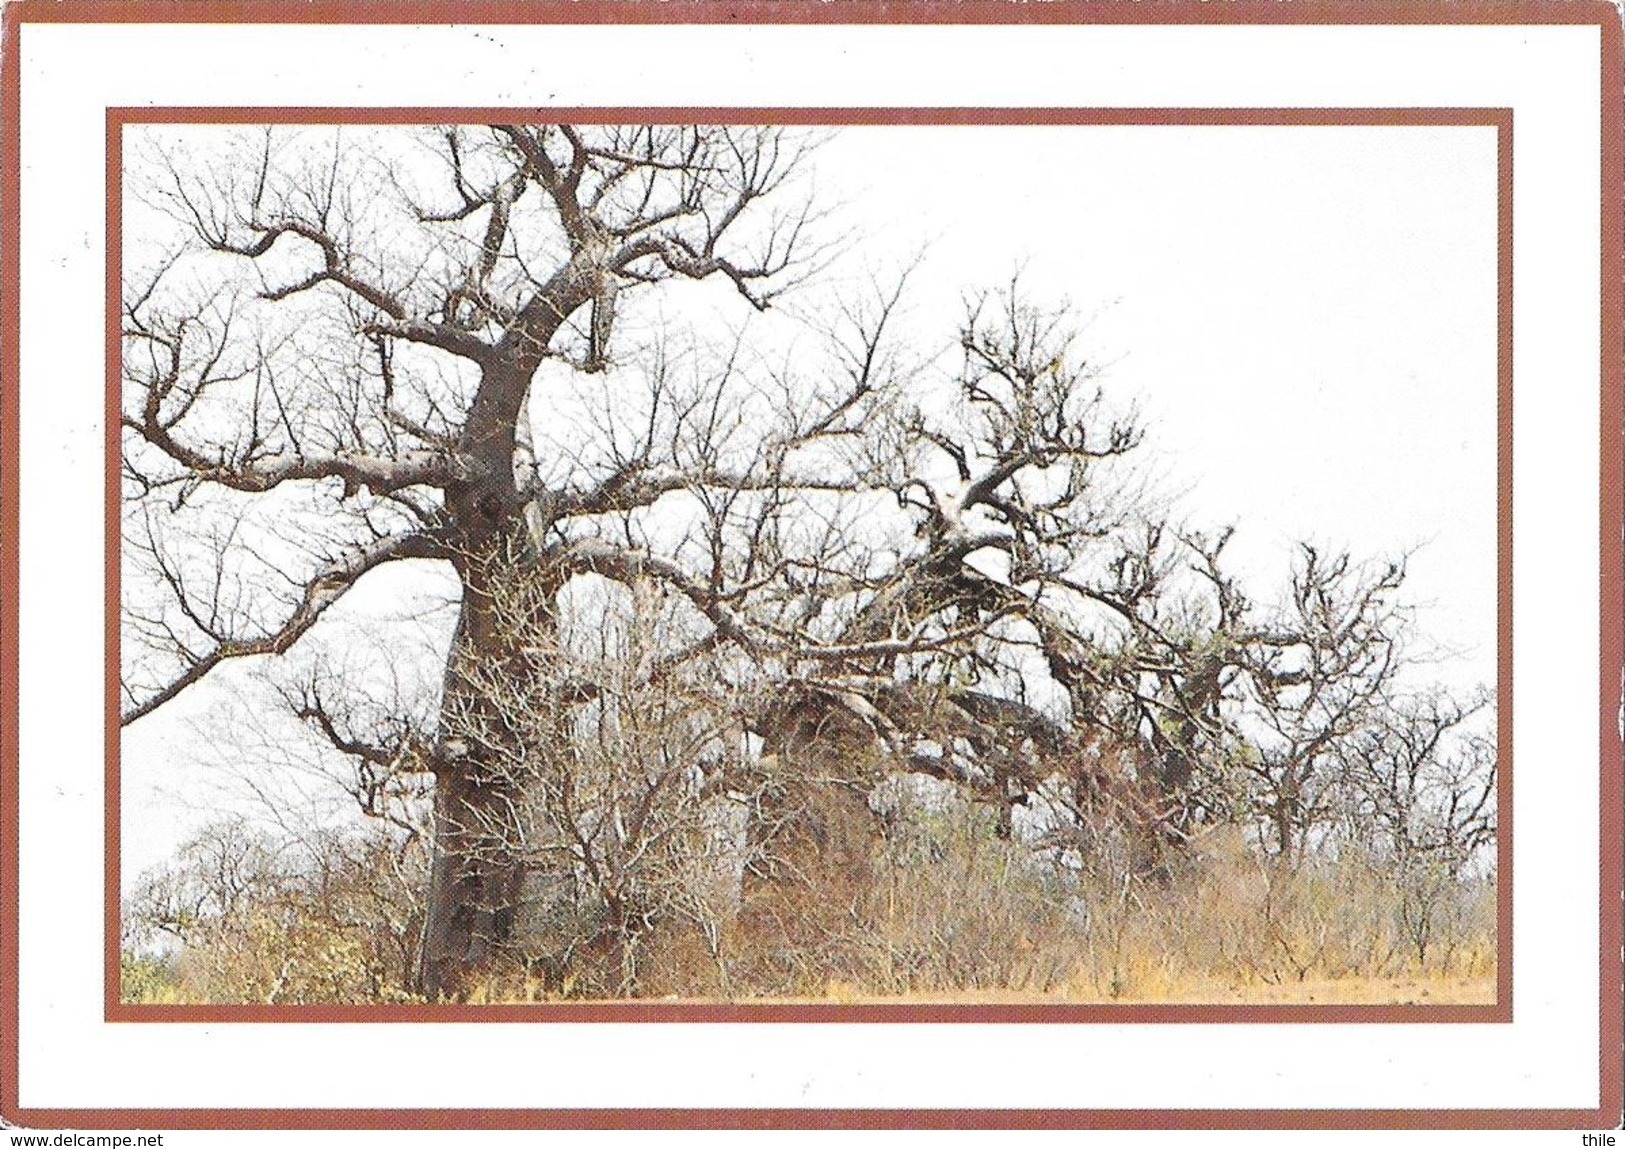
(812, 566)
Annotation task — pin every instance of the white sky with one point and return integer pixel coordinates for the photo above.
(1306, 316)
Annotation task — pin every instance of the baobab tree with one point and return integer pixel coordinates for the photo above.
(380, 352)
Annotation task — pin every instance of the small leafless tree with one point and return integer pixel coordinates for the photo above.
(1421, 797)
(243, 914)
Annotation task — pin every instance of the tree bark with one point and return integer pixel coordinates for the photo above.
(482, 759)
(473, 889)
(478, 870)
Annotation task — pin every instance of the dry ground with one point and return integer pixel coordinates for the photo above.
(1339, 991)
(1452, 990)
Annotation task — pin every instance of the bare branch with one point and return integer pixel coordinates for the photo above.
(324, 589)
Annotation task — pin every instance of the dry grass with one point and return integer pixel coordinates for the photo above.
(959, 915)
(968, 919)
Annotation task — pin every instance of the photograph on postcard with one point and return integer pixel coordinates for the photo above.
(1030, 560)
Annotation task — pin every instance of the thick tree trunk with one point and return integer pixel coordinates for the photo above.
(816, 841)
(473, 903)
(474, 886)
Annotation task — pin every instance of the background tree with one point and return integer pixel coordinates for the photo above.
(243, 914)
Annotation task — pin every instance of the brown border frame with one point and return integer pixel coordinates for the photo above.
(1500, 120)
(1588, 12)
